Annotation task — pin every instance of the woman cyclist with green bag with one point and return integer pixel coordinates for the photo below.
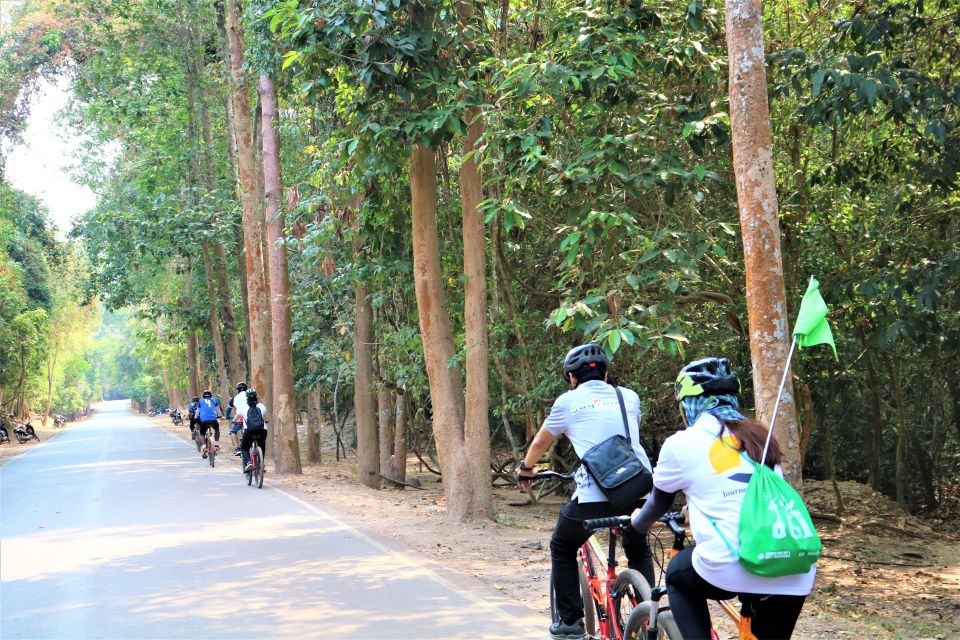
(712, 462)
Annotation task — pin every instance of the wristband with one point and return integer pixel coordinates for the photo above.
(524, 467)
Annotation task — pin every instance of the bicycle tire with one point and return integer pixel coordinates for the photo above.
(632, 587)
(668, 626)
(260, 468)
(211, 451)
(638, 622)
(589, 606)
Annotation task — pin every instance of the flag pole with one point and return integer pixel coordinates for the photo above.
(776, 406)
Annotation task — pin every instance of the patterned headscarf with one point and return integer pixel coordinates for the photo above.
(722, 407)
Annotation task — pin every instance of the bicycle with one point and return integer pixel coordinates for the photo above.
(208, 443)
(652, 621)
(256, 459)
(608, 597)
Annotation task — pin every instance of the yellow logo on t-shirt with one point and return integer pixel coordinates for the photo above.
(725, 455)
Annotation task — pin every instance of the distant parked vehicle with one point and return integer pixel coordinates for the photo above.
(176, 418)
(24, 432)
(59, 421)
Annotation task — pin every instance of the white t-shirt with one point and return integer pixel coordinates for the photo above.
(263, 411)
(240, 405)
(714, 478)
(588, 415)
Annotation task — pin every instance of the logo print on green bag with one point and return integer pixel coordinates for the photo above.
(777, 536)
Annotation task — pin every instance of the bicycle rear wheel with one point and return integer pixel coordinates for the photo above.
(589, 608)
(211, 451)
(259, 468)
(668, 626)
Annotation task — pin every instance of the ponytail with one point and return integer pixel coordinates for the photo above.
(752, 437)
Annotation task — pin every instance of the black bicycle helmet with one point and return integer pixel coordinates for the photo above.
(241, 386)
(208, 394)
(586, 354)
(706, 377)
(196, 398)
(251, 396)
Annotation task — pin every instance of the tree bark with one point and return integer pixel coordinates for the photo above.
(398, 466)
(953, 384)
(903, 435)
(314, 426)
(364, 403)
(258, 302)
(436, 335)
(386, 421)
(760, 226)
(477, 396)
(874, 435)
(223, 380)
(287, 451)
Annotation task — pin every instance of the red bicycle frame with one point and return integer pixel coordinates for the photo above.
(601, 586)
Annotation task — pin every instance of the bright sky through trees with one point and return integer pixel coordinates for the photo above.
(40, 165)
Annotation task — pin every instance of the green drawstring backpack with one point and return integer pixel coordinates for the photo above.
(777, 536)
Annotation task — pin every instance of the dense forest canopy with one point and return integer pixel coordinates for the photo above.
(577, 155)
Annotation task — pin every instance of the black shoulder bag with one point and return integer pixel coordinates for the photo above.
(617, 470)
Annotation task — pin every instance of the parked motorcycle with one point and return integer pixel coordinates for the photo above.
(25, 432)
(176, 418)
(59, 421)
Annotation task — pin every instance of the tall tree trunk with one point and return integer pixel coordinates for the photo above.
(903, 435)
(386, 418)
(446, 391)
(477, 396)
(314, 426)
(51, 363)
(364, 403)
(874, 435)
(258, 296)
(223, 380)
(953, 384)
(193, 371)
(760, 226)
(398, 466)
(287, 451)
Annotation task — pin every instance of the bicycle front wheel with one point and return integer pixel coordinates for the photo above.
(629, 590)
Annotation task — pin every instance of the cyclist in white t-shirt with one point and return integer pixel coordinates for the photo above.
(239, 405)
(587, 414)
(704, 462)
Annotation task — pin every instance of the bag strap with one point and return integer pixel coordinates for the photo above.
(623, 412)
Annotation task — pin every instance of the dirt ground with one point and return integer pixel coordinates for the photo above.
(13, 448)
(884, 574)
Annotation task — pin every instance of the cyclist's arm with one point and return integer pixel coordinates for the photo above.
(656, 505)
(541, 442)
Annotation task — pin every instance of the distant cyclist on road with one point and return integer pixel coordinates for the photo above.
(588, 414)
(208, 412)
(192, 412)
(704, 461)
(238, 404)
(256, 429)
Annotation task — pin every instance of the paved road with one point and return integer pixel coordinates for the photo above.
(116, 529)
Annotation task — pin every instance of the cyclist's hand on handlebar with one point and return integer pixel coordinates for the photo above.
(525, 484)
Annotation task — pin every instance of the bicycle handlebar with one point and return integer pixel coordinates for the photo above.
(606, 523)
(675, 521)
(545, 475)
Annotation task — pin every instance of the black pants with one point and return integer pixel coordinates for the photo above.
(773, 616)
(249, 436)
(568, 536)
(213, 424)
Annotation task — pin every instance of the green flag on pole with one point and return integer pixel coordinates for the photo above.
(812, 327)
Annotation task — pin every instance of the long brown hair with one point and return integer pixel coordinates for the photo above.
(752, 436)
